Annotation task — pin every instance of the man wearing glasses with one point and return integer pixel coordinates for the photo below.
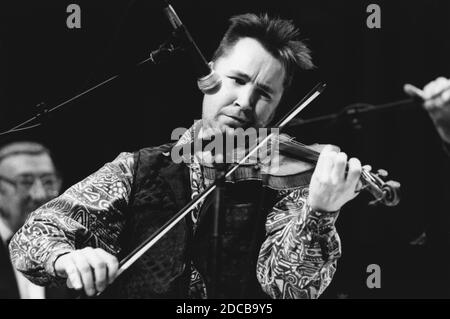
(28, 179)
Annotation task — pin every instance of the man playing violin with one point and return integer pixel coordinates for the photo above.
(78, 237)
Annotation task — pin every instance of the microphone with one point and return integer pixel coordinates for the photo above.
(208, 81)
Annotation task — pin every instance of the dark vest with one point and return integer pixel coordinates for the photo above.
(245, 210)
(160, 189)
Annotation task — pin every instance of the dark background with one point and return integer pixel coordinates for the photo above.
(41, 60)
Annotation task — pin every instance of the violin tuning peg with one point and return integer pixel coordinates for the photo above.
(382, 173)
(363, 187)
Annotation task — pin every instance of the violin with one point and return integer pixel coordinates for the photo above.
(290, 164)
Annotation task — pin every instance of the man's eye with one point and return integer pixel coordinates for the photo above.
(26, 182)
(264, 94)
(237, 80)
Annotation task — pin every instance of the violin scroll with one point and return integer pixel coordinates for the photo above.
(385, 192)
(391, 191)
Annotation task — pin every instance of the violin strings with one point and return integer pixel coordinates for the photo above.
(292, 142)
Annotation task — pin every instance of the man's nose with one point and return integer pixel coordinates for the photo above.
(37, 191)
(245, 98)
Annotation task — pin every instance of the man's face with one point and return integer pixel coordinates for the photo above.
(252, 86)
(27, 192)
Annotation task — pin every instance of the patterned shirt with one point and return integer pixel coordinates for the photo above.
(296, 260)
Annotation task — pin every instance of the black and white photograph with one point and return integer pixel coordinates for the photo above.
(240, 151)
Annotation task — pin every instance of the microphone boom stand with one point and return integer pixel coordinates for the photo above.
(353, 110)
(164, 50)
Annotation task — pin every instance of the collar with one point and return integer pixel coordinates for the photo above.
(188, 138)
(191, 159)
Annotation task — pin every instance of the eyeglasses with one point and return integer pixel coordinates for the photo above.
(23, 183)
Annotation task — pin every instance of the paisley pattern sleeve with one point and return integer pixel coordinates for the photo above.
(90, 213)
(298, 257)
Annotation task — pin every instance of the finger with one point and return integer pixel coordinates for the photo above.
(69, 284)
(338, 172)
(359, 187)
(436, 94)
(73, 276)
(428, 89)
(112, 264)
(85, 271)
(431, 106)
(439, 102)
(354, 172)
(434, 88)
(443, 95)
(441, 83)
(367, 168)
(325, 162)
(435, 104)
(100, 269)
(446, 95)
(441, 86)
(413, 91)
(333, 148)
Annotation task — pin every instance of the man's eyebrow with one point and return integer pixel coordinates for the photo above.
(262, 86)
